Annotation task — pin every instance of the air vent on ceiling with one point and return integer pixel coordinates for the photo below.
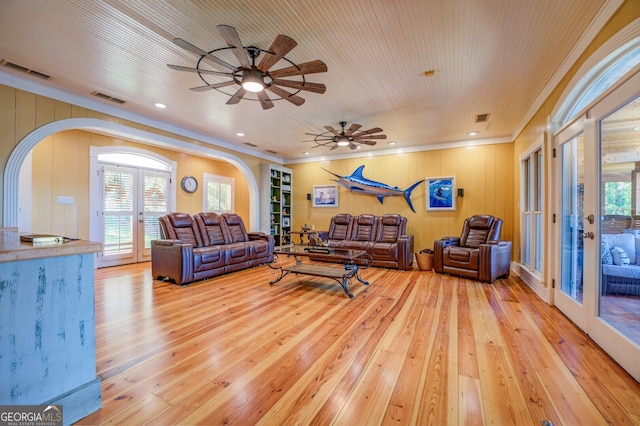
(482, 118)
(107, 97)
(25, 70)
(250, 144)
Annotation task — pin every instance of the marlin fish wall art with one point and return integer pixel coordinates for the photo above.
(361, 185)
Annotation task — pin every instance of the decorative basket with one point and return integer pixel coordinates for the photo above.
(424, 259)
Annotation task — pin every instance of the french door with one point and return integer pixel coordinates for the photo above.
(132, 201)
(597, 163)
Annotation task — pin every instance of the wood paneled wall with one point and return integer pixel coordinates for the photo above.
(61, 167)
(485, 173)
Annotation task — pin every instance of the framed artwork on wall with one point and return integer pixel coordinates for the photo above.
(441, 193)
(325, 196)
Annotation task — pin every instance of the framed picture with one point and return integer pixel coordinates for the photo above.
(285, 221)
(441, 193)
(325, 196)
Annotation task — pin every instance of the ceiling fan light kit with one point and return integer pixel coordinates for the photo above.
(250, 77)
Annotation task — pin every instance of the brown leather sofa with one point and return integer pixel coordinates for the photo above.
(206, 245)
(382, 237)
(477, 254)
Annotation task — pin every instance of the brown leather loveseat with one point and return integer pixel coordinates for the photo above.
(477, 254)
(206, 245)
(382, 237)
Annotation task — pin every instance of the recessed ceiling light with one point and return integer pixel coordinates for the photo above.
(306, 153)
(239, 134)
(474, 133)
(392, 142)
(637, 128)
(160, 105)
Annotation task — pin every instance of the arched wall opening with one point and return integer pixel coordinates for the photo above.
(21, 151)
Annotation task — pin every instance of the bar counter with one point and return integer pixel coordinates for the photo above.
(47, 326)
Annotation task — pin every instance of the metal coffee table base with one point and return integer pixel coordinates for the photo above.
(342, 275)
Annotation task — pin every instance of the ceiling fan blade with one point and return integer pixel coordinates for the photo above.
(352, 129)
(332, 130)
(230, 35)
(368, 136)
(280, 47)
(369, 132)
(368, 142)
(212, 86)
(333, 147)
(294, 99)
(196, 50)
(190, 69)
(311, 87)
(353, 145)
(264, 100)
(236, 96)
(312, 67)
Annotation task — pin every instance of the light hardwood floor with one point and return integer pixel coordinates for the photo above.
(412, 348)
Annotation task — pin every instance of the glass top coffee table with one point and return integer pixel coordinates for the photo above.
(343, 274)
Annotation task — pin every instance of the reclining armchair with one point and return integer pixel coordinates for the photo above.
(477, 254)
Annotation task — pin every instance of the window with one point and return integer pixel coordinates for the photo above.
(531, 253)
(218, 193)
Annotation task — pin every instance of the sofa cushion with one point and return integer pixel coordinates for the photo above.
(390, 228)
(605, 254)
(620, 258)
(363, 228)
(180, 226)
(340, 227)
(627, 242)
(236, 228)
(213, 228)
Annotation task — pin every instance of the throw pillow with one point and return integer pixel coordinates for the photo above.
(619, 256)
(605, 255)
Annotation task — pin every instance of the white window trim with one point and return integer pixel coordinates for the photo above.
(529, 274)
(206, 178)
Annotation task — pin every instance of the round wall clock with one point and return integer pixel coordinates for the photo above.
(189, 184)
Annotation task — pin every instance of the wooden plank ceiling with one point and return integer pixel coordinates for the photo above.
(488, 57)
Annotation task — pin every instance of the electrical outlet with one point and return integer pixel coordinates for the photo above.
(64, 199)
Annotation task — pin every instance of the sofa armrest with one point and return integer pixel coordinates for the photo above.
(438, 247)
(258, 236)
(495, 260)
(172, 259)
(405, 251)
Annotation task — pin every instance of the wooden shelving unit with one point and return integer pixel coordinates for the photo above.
(275, 202)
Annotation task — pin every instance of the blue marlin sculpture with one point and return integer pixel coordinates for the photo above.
(359, 184)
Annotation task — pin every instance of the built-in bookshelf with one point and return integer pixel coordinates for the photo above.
(275, 202)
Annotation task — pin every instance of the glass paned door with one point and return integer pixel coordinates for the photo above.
(617, 325)
(155, 203)
(575, 196)
(133, 200)
(572, 208)
(599, 229)
(118, 214)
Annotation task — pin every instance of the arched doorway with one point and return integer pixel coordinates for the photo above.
(12, 171)
(130, 189)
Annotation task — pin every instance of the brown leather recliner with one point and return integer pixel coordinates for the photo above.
(477, 254)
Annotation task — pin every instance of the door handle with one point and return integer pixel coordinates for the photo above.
(588, 235)
(591, 218)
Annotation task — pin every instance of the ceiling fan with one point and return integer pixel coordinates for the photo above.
(216, 70)
(348, 137)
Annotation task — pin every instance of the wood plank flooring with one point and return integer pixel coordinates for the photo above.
(412, 348)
